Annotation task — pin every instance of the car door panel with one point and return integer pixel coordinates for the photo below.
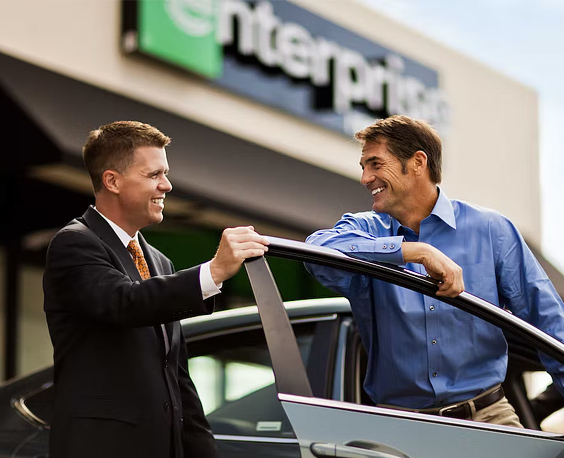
(338, 426)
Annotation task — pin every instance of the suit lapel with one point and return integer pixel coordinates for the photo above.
(100, 226)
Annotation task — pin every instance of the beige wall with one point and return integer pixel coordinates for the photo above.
(35, 350)
(34, 344)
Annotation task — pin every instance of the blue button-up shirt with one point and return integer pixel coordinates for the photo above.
(421, 351)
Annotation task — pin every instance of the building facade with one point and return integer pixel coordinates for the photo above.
(261, 100)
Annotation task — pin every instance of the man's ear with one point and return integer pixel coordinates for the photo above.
(419, 162)
(110, 181)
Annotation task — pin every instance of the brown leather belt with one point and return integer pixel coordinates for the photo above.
(463, 409)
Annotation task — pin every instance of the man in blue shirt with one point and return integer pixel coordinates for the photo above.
(423, 354)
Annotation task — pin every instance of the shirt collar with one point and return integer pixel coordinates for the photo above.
(442, 209)
(395, 226)
(122, 235)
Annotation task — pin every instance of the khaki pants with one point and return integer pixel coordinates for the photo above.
(499, 413)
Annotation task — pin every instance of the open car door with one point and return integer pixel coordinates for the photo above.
(328, 428)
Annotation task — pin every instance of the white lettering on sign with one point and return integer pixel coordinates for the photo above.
(195, 17)
(379, 86)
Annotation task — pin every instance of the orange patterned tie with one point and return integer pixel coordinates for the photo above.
(139, 259)
(143, 269)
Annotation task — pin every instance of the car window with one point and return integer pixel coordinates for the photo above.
(234, 378)
(546, 403)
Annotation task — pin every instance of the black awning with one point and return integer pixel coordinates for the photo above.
(207, 165)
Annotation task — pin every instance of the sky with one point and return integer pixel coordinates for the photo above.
(523, 39)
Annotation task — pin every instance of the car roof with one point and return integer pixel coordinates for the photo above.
(248, 316)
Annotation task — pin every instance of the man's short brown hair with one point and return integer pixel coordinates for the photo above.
(405, 136)
(112, 147)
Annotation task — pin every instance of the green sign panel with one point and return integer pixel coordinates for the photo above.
(182, 33)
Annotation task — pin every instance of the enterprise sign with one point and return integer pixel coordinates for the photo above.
(284, 56)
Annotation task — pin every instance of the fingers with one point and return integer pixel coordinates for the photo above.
(444, 269)
(236, 245)
(453, 282)
(242, 243)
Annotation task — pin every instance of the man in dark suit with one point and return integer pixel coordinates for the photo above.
(113, 302)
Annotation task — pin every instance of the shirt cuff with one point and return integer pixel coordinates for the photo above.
(209, 288)
(383, 249)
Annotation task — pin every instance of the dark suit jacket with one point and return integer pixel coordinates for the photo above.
(116, 392)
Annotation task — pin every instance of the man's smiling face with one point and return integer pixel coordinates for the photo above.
(390, 184)
(142, 189)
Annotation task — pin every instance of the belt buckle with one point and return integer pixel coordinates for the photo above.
(447, 409)
(466, 411)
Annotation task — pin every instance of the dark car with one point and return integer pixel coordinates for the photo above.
(285, 380)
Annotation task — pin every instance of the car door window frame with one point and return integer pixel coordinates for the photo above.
(420, 283)
(298, 251)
